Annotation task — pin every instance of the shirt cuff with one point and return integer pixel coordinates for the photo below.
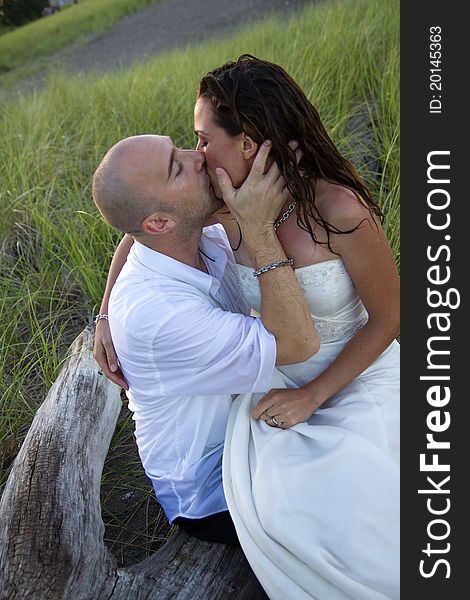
(268, 352)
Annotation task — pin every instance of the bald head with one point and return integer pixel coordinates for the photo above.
(124, 184)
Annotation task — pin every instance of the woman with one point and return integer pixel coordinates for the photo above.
(311, 480)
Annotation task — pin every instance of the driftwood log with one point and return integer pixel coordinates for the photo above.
(51, 531)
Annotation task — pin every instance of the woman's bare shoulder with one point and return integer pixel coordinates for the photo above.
(338, 203)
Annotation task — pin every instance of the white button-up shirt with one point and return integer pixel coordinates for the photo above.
(186, 343)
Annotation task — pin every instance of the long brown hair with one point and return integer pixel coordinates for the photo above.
(261, 99)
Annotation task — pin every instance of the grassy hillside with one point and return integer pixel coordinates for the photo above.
(55, 248)
(46, 35)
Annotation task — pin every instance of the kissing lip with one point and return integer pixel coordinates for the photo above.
(208, 179)
(207, 176)
(212, 176)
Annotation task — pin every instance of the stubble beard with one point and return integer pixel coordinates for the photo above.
(194, 222)
(217, 203)
(211, 204)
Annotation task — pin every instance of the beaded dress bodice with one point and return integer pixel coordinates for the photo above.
(331, 296)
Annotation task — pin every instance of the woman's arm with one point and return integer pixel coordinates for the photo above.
(369, 261)
(368, 258)
(103, 349)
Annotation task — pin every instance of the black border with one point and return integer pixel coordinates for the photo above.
(422, 132)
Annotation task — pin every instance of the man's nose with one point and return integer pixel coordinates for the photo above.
(196, 157)
(199, 158)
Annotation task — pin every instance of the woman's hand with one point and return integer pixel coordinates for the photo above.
(287, 406)
(264, 192)
(105, 355)
(258, 202)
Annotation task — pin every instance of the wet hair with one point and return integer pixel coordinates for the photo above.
(261, 99)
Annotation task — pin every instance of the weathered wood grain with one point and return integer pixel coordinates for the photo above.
(51, 531)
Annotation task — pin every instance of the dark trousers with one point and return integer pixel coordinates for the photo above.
(214, 528)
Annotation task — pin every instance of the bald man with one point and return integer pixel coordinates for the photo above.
(183, 334)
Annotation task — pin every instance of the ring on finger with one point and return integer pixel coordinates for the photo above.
(275, 422)
(268, 416)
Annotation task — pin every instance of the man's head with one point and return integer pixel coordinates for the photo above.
(145, 186)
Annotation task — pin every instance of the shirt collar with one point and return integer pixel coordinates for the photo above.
(174, 269)
(216, 256)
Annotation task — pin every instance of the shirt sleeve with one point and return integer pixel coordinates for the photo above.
(204, 350)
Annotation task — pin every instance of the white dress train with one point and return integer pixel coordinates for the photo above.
(316, 507)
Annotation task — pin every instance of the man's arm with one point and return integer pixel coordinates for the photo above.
(284, 312)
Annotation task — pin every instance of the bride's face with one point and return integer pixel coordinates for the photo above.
(221, 149)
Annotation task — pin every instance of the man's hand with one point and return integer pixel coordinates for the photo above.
(288, 407)
(105, 355)
(258, 202)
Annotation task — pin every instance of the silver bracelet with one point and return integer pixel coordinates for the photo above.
(274, 265)
(100, 316)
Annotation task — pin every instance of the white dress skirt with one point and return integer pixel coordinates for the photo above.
(316, 506)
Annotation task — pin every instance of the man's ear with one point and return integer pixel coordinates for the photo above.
(250, 147)
(157, 224)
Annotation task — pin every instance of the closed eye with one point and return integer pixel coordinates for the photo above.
(200, 143)
(179, 164)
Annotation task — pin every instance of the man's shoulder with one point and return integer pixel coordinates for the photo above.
(143, 305)
(137, 293)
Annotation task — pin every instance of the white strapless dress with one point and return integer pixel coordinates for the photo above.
(316, 507)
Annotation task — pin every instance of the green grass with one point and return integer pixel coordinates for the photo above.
(49, 34)
(5, 29)
(55, 248)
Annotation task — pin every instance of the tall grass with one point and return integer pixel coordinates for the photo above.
(49, 34)
(55, 248)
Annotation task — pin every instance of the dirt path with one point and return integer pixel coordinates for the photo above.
(168, 24)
